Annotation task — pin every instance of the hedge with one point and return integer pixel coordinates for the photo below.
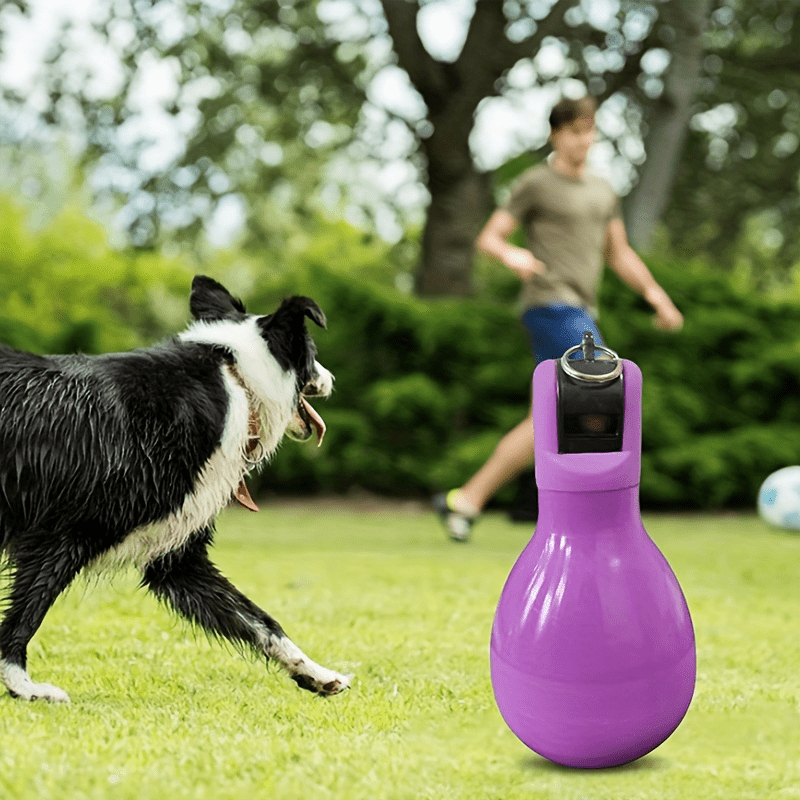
(425, 389)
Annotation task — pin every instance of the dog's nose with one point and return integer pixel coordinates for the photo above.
(320, 384)
(312, 389)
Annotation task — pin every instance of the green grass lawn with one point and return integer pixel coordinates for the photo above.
(159, 712)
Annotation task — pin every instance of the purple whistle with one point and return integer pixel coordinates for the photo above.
(593, 657)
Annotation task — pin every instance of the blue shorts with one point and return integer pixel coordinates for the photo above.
(552, 330)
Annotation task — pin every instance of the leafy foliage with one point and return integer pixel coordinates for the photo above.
(736, 193)
(66, 290)
(721, 403)
(257, 94)
(425, 390)
(262, 95)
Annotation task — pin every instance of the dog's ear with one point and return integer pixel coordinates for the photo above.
(210, 301)
(292, 313)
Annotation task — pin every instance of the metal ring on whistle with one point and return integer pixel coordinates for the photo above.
(588, 347)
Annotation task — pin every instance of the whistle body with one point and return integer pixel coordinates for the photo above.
(592, 651)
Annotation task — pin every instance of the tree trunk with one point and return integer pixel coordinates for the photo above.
(669, 122)
(452, 91)
(459, 203)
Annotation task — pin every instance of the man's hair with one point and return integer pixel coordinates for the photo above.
(567, 110)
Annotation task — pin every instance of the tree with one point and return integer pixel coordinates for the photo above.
(610, 56)
(736, 193)
(668, 119)
(459, 193)
(260, 92)
(267, 92)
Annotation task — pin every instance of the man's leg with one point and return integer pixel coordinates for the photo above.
(513, 454)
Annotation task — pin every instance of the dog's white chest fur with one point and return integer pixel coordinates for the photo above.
(223, 472)
(213, 488)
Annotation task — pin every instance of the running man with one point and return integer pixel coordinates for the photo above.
(573, 226)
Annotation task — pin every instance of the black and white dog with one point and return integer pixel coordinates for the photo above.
(127, 459)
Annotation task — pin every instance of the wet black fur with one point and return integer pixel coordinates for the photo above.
(92, 448)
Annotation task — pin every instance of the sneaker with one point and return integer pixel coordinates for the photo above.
(457, 524)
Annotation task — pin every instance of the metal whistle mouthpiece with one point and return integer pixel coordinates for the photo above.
(587, 345)
(591, 399)
(590, 368)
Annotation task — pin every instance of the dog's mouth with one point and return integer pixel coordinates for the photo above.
(310, 421)
(306, 422)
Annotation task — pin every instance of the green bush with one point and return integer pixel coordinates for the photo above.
(428, 388)
(721, 406)
(64, 289)
(413, 380)
(425, 389)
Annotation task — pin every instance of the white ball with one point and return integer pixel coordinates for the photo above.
(779, 499)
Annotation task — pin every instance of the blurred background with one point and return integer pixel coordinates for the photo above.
(351, 151)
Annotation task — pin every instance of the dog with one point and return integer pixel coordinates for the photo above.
(127, 459)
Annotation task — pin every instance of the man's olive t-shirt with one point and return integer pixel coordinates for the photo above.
(565, 221)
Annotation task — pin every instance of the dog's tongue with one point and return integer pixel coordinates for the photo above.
(243, 496)
(315, 419)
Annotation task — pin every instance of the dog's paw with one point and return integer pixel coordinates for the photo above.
(303, 671)
(20, 685)
(337, 685)
(45, 691)
(321, 681)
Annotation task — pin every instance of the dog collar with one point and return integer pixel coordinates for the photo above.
(253, 443)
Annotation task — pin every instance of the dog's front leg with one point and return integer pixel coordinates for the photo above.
(192, 585)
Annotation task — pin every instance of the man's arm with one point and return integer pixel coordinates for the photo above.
(493, 240)
(621, 257)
